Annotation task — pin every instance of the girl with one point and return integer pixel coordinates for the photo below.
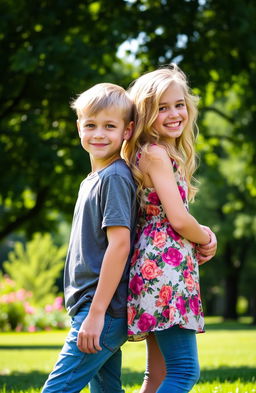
(164, 295)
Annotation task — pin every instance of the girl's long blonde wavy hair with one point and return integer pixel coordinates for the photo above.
(146, 93)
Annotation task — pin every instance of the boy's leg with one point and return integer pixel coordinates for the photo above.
(74, 369)
(108, 378)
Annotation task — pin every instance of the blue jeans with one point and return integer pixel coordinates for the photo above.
(179, 349)
(74, 369)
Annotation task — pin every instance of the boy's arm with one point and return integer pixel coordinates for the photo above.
(112, 268)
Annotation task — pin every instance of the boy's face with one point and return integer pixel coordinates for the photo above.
(102, 135)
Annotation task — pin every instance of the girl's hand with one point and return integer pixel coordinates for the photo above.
(207, 252)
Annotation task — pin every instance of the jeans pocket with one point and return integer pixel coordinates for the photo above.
(114, 333)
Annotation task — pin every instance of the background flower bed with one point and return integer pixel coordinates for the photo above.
(18, 311)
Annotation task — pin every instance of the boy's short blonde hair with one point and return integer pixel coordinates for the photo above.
(103, 96)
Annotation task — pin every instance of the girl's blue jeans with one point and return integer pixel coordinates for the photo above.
(179, 349)
(75, 369)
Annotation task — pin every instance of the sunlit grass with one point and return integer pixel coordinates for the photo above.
(227, 356)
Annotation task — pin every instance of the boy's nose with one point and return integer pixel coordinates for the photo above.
(98, 133)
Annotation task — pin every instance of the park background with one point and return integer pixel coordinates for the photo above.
(52, 51)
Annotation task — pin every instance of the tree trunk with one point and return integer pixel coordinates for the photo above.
(231, 281)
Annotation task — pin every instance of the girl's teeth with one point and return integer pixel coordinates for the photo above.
(173, 124)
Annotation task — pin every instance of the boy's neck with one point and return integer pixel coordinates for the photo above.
(98, 166)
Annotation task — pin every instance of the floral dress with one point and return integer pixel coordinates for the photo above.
(164, 279)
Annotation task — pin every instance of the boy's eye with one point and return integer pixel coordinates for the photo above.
(110, 125)
(89, 125)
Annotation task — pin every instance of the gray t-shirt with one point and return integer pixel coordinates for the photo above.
(106, 198)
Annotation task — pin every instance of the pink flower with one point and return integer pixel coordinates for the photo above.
(194, 304)
(136, 284)
(165, 295)
(150, 270)
(153, 198)
(172, 257)
(159, 239)
(147, 229)
(172, 311)
(29, 309)
(31, 328)
(190, 263)
(182, 193)
(57, 305)
(48, 308)
(181, 305)
(172, 233)
(152, 210)
(165, 313)
(131, 312)
(146, 322)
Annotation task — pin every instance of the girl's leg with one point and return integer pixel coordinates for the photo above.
(155, 367)
(179, 349)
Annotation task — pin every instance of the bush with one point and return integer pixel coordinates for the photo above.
(36, 267)
(18, 313)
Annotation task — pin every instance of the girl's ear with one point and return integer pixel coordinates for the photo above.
(128, 131)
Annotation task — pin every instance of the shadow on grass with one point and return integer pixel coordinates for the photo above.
(229, 325)
(221, 374)
(230, 374)
(17, 381)
(30, 347)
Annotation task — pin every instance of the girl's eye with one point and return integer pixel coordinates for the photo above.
(162, 108)
(180, 105)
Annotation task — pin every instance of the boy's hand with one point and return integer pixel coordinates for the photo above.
(207, 252)
(88, 339)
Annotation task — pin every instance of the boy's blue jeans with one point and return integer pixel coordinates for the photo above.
(74, 369)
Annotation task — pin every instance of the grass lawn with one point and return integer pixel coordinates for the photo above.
(227, 356)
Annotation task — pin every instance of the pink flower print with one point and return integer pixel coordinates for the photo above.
(165, 295)
(136, 284)
(189, 281)
(172, 233)
(152, 210)
(194, 304)
(153, 198)
(190, 263)
(131, 312)
(147, 229)
(172, 311)
(159, 239)
(172, 257)
(181, 305)
(182, 193)
(146, 322)
(135, 256)
(165, 313)
(150, 270)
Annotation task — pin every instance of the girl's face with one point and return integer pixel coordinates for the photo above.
(173, 115)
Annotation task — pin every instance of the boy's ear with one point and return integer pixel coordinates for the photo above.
(128, 131)
(78, 127)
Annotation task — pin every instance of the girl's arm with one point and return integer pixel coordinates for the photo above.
(157, 167)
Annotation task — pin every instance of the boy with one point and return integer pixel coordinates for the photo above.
(96, 269)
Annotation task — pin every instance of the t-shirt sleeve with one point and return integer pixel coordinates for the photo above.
(117, 194)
